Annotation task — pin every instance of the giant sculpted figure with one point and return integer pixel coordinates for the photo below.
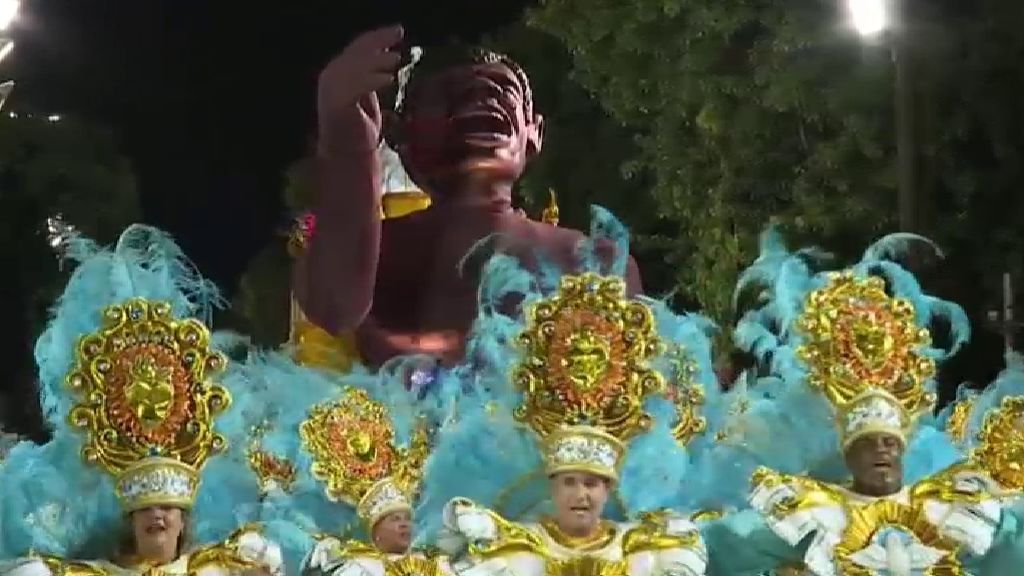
(465, 130)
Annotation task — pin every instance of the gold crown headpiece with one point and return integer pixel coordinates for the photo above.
(146, 403)
(1000, 448)
(585, 373)
(355, 455)
(862, 350)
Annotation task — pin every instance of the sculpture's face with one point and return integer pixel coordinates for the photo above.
(876, 463)
(393, 533)
(466, 120)
(157, 531)
(579, 500)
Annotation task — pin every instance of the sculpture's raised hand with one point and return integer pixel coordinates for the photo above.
(347, 86)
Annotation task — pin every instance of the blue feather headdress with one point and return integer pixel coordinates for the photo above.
(773, 407)
(144, 265)
(492, 451)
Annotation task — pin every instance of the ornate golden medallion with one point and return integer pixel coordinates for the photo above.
(859, 337)
(586, 354)
(352, 443)
(143, 381)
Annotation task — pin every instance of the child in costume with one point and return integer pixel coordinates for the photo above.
(354, 446)
(585, 388)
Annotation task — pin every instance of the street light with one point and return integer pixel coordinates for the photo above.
(869, 17)
(872, 18)
(8, 12)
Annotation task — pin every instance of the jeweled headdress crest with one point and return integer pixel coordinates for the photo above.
(356, 456)
(863, 351)
(585, 373)
(1000, 448)
(146, 403)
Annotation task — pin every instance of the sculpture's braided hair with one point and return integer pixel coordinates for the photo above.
(436, 59)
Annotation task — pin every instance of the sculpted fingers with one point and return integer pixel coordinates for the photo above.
(376, 41)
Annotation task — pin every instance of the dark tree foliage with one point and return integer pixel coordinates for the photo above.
(49, 166)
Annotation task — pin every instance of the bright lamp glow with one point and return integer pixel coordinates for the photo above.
(8, 12)
(869, 16)
(6, 45)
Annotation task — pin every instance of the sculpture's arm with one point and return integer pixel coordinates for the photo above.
(335, 278)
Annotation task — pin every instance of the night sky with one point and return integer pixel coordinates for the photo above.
(210, 99)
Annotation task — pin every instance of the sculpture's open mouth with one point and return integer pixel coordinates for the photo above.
(487, 123)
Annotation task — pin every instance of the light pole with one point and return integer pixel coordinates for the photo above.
(871, 19)
(8, 12)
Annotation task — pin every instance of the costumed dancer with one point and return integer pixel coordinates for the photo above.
(120, 368)
(372, 460)
(549, 448)
(771, 405)
(864, 354)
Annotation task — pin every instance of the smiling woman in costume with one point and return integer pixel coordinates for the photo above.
(584, 382)
(146, 406)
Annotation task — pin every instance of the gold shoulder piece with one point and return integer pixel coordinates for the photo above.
(944, 486)
(651, 535)
(224, 554)
(810, 493)
(512, 538)
(586, 359)
(859, 338)
(143, 381)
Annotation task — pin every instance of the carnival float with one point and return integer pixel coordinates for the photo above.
(505, 402)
